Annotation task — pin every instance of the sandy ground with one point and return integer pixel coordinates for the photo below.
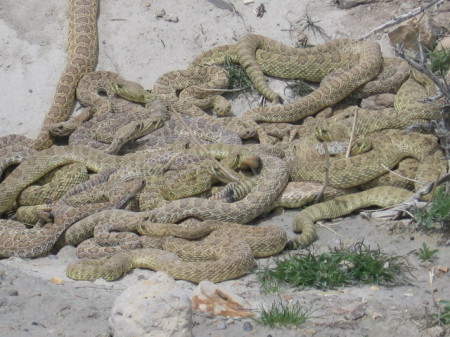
(140, 47)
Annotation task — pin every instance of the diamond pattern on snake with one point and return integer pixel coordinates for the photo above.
(129, 137)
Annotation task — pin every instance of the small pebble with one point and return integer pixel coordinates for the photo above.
(248, 326)
(160, 13)
(93, 314)
(12, 292)
(3, 301)
(221, 325)
(168, 18)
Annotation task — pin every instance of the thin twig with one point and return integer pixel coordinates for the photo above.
(334, 232)
(171, 160)
(401, 18)
(443, 87)
(352, 135)
(403, 207)
(326, 168)
(399, 175)
(427, 189)
(227, 172)
(217, 90)
(239, 14)
(433, 190)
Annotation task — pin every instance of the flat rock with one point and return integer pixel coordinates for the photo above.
(156, 307)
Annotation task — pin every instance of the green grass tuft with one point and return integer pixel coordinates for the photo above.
(439, 61)
(355, 265)
(310, 25)
(437, 214)
(269, 283)
(282, 315)
(442, 317)
(300, 88)
(427, 254)
(238, 77)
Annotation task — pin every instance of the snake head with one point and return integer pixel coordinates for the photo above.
(131, 91)
(322, 134)
(361, 147)
(242, 161)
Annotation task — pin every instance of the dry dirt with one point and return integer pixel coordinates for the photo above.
(134, 43)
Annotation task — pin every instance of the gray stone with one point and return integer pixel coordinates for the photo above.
(156, 307)
(12, 292)
(221, 325)
(344, 4)
(248, 326)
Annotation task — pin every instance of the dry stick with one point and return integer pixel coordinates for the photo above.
(441, 130)
(352, 135)
(444, 88)
(217, 90)
(343, 237)
(239, 14)
(227, 172)
(399, 19)
(433, 190)
(326, 173)
(404, 207)
(427, 189)
(170, 161)
(399, 175)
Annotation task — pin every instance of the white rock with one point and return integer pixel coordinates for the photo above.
(153, 308)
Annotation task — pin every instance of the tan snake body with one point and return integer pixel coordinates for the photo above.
(81, 60)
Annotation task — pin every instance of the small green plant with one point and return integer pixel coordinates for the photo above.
(439, 61)
(300, 88)
(427, 254)
(357, 264)
(436, 213)
(310, 25)
(269, 284)
(442, 317)
(282, 315)
(239, 80)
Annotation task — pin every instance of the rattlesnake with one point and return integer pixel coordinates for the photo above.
(408, 111)
(341, 66)
(422, 147)
(258, 55)
(43, 162)
(17, 240)
(381, 196)
(14, 149)
(272, 179)
(228, 252)
(80, 60)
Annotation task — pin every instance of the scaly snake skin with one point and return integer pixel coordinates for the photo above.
(80, 60)
(341, 66)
